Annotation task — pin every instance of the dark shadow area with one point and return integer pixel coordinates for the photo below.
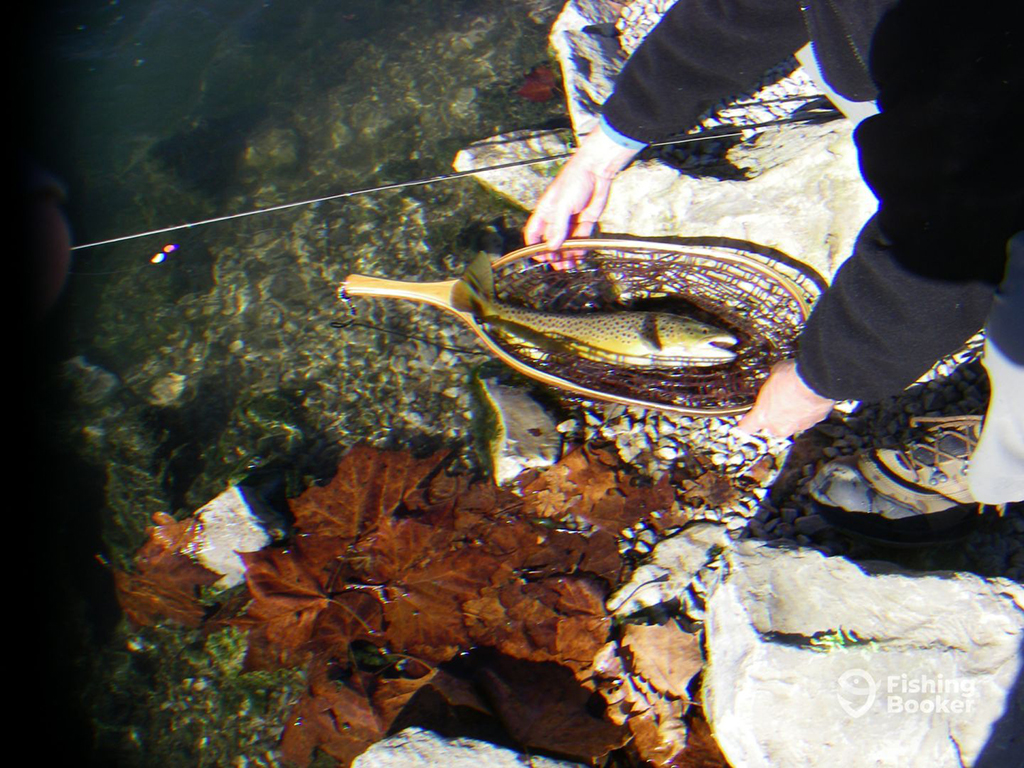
(207, 156)
(1005, 747)
(73, 609)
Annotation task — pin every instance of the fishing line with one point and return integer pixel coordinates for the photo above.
(725, 131)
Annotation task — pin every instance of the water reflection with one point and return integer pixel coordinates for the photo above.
(167, 380)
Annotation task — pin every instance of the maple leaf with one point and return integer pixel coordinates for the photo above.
(543, 706)
(711, 489)
(427, 579)
(538, 85)
(601, 557)
(665, 656)
(164, 584)
(343, 711)
(355, 614)
(293, 610)
(644, 678)
(147, 601)
(426, 570)
(336, 716)
(556, 619)
(368, 484)
(660, 735)
(286, 598)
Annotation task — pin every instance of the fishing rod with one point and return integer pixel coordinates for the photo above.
(722, 132)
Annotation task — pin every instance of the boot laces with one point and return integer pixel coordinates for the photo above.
(946, 447)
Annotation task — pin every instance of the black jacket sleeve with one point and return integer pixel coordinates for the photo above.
(880, 326)
(702, 52)
(943, 157)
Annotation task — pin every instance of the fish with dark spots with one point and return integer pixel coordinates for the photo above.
(643, 339)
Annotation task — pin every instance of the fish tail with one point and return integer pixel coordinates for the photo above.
(475, 291)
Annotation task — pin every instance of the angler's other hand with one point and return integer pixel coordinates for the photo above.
(575, 200)
(785, 405)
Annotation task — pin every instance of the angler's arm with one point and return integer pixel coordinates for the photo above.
(874, 332)
(574, 201)
(702, 52)
(880, 326)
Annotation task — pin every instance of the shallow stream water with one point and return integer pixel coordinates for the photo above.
(161, 383)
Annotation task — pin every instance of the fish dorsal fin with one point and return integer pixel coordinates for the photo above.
(480, 275)
(649, 330)
(474, 292)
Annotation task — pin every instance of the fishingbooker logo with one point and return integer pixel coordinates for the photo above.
(925, 694)
(857, 691)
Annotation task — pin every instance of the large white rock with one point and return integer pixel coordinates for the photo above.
(589, 61)
(936, 681)
(417, 748)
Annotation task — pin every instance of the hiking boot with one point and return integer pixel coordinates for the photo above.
(924, 484)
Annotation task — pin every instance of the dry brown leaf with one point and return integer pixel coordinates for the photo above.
(711, 489)
(427, 569)
(559, 619)
(659, 737)
(543, 706)
(287, 599)
(336, 716)
(665, 656)
(644, 679)
(355, 614)
(702, 750)
(147, 601)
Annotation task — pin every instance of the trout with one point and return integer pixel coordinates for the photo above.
(644, 339)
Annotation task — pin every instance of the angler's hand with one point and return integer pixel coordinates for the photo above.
(575, 200)
(785, 405)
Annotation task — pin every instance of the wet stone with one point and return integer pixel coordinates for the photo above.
(810, 524)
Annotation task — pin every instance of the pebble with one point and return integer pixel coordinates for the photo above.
(810, 524)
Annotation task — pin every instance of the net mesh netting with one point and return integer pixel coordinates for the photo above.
(762, 301)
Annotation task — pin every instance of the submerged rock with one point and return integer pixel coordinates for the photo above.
(523, 436)
(92, 383)
(417, 748)
(521, 185)
(819, 661)
(228, 524)
(273, 150)
(168, 389)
